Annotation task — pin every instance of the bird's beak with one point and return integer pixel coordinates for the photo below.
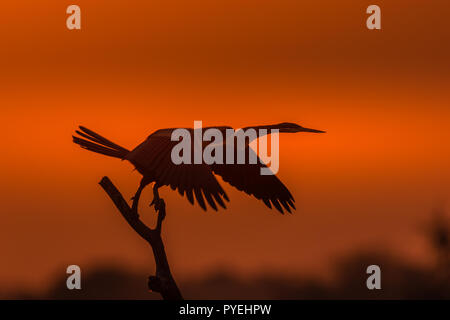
(311, 130)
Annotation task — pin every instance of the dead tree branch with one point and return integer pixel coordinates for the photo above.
(163, 281)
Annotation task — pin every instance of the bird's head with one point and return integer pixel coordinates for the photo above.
(292, 128)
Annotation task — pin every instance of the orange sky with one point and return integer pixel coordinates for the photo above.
(372, 180)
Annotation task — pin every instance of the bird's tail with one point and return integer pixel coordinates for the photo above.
(99, 144)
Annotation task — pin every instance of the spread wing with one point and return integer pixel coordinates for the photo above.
(247, 178)
(152, 159)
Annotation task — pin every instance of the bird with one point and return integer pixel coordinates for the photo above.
(152, 159)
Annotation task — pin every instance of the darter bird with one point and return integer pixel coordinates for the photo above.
(152, 159)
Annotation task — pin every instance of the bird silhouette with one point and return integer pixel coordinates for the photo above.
(152, 159)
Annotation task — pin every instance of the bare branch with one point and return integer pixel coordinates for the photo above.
(163, 281)
(131, 217)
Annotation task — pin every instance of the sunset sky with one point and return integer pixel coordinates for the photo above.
(138, 66)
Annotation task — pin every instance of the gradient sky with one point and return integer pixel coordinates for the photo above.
(371, 181)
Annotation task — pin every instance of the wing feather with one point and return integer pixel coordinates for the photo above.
(248, 178)
(153, 159)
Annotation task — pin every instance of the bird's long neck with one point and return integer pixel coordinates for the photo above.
(259, 131)
(266, 127)
(262, 130)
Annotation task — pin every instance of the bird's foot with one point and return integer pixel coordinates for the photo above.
(160, 207)
(158, 204)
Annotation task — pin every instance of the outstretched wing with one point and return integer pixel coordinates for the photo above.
(152, 158)
(248, 178)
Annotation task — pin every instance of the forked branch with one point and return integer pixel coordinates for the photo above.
(163, 281)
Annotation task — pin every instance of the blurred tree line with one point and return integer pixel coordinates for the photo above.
(399, 279)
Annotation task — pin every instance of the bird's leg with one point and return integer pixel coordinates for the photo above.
(157, 202)
(160, 207)
(136, 197)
